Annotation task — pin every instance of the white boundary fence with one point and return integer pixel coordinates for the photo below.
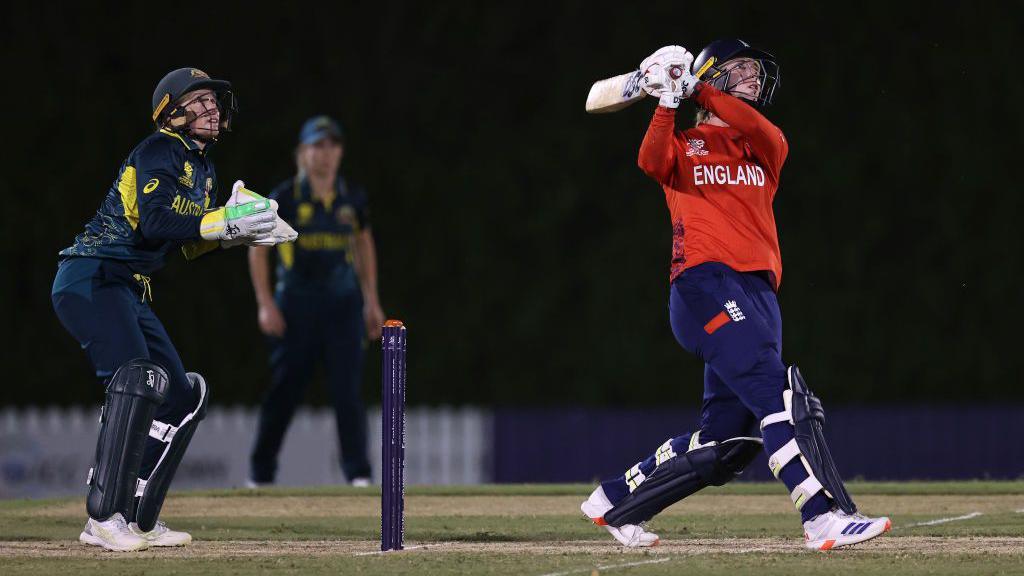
(47, 452)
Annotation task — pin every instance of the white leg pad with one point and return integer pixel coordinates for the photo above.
(785, 416)
(803, 492)
(782, 456)
(774, 419)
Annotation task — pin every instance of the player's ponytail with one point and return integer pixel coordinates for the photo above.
(300, 167)
(702, 116)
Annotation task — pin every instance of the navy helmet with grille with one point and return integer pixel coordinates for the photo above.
(709, 66)
(168, 109)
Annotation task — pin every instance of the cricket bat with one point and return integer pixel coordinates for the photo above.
(613, 94)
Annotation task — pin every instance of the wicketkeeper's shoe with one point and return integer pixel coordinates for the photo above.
(161, 535)
(837, 528)
(112, 534)
(629, 535)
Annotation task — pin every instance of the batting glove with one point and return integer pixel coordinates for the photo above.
(669, 57)
(677, 85)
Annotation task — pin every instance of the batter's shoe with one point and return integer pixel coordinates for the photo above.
(112, 534)
(629, 535)
(837, 528)
(161, 535)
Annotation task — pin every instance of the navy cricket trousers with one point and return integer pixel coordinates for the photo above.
(731, 321)
(100, 303)
(324, 324)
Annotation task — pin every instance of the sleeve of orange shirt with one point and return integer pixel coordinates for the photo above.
(766, 139)
(659, 152)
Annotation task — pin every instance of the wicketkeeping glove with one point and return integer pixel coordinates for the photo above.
(281, 233)
(248, 221)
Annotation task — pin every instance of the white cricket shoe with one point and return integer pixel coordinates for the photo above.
(161, 535)
(837, 528)
(361, 482)
(629, 535)
(112, 534)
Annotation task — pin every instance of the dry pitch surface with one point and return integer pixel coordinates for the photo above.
(939, 528)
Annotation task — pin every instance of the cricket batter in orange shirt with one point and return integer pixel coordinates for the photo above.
(720, 178)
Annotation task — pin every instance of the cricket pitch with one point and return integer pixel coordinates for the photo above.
(939, 528)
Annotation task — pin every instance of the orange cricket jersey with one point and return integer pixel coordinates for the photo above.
(719, 184)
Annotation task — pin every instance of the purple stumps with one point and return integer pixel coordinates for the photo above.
(392, 501)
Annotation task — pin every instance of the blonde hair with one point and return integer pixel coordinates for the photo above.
(300, 168)
(702, 116)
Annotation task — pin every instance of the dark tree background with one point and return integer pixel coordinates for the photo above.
(517, 238)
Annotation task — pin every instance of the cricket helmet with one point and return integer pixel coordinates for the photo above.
(709, 67)
(168, 109)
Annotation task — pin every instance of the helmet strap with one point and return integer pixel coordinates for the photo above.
(177, 119)
(180, 120)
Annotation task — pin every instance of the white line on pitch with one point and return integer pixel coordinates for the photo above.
(375, 552)
(944, 520)
(1021, 511)
(608, 567)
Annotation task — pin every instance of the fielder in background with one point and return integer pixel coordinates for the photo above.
(719, 179)
(164, 199)
(326, 293)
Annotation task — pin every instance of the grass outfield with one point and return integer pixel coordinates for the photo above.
(939, 528)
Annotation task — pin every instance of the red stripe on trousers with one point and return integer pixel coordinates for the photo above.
(717, 322)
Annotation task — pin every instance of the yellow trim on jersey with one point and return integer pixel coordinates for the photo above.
(176, 135)
(129, 200)
(286, 252)
(329, 241)
(704, 68)
(193, 250)
(328, 201)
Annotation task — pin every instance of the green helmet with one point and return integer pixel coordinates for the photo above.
(168, 110)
